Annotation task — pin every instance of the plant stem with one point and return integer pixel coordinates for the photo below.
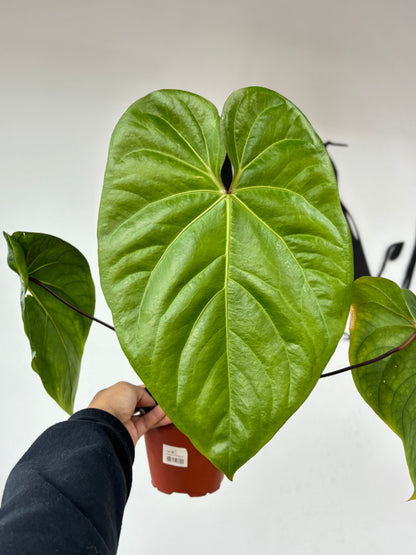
(34, 280)
(408, 341)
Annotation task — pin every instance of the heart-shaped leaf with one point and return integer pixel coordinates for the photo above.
(56, 333)
(384, 317)
(228, 303)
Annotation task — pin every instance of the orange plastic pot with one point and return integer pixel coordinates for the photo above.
(176, 466)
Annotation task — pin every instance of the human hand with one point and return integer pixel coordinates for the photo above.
(122, 399)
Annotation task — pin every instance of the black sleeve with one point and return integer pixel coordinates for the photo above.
(68, 492)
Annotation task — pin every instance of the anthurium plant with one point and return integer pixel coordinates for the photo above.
(226, 262)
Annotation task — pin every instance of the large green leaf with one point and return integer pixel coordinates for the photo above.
(56, 333)
(228, 304)
(384, 317)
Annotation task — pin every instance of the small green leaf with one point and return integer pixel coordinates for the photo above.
(56, 333)
(384, 317)
(228, 304)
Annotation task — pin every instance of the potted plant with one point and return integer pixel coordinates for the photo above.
(227, 264)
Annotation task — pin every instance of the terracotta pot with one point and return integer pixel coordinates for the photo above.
(176, 466)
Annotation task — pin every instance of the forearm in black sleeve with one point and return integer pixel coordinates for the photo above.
(68, 492)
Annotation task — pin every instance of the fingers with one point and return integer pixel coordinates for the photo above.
(144, 399)
(153, 419)
(122, 399)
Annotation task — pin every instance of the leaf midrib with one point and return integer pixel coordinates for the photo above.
(227, 329)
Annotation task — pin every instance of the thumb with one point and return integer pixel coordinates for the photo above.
(153, 419)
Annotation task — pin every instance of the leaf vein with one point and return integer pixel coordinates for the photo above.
(294, 258)
(201, 215)
(171, 156)
(187, 107)
(274, 327)
(285, 140)
(258, 116)
(291, 191)
(169, 124)
(204, 308)
(158, 201)
(48, 316)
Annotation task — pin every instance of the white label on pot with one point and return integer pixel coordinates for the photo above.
(175, 456)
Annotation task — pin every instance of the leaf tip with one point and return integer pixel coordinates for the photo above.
(413, 497)
(11, 253)
(8, 240)
(16, 259)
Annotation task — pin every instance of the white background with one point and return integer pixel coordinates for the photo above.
(334, 479)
